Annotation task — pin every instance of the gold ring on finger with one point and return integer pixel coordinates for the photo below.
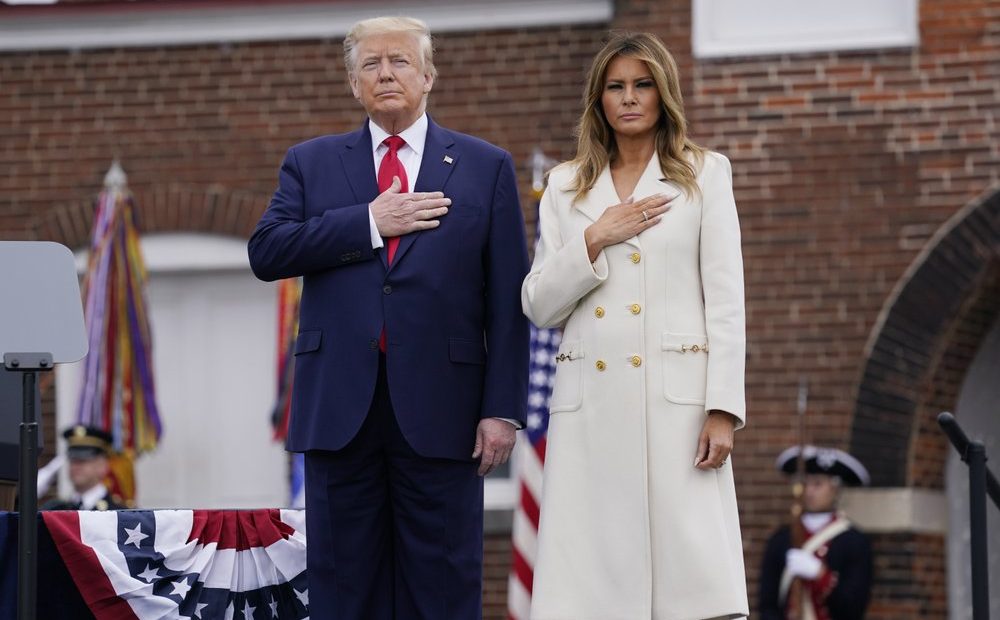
(645, 216)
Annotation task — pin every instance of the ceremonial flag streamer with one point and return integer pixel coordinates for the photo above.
(289, 295)
(118, 392)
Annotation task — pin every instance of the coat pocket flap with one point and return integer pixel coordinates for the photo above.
(570, 350)
(466, 351)
(308, 341)
(684, 343)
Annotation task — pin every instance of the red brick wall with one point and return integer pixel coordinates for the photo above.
(844, 165)
(496, 568)
(941, 393)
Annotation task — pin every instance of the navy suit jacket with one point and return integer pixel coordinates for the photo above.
(457, 347)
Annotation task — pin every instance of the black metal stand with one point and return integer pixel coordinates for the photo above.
(27, 490)
(41, 312)
(981, 482)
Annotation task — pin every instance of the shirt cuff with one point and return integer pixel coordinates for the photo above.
(376, 238)
(511, 421)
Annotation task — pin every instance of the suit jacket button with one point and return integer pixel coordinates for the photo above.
(373, 344)
(387, 289)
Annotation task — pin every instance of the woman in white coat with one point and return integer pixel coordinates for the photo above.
(639, 261)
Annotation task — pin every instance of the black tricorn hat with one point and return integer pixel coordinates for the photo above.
(829, 461)
(86, 442)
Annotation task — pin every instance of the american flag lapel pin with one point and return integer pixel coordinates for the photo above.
(448, 160)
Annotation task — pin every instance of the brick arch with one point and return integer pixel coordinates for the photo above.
(924, 339)
(162, 208)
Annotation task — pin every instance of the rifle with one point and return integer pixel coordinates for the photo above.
(795, 597)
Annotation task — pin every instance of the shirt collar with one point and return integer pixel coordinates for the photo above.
(815, 521)
(90, 497)
(415, 135)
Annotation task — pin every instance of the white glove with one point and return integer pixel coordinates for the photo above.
(48, 473)
(803, 564)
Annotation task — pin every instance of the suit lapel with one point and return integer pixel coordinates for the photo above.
(436, 165)
(359, 166)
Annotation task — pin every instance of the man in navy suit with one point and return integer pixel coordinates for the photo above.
(412, 352)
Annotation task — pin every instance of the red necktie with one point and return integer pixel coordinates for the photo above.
(392, 167)
(389, 168)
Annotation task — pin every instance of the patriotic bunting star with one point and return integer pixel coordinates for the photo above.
(135, 535)
(248, 610)
(149, 574)
(198, 608)
(303, 596)
(274, 607)
(181, 588)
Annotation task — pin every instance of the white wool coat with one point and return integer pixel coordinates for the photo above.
(654, 337)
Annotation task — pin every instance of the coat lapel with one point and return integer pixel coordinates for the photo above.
(603, 195)
(652, 181)
(600, 197)
(436, 165)
(359, 166)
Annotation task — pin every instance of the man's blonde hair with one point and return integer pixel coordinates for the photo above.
(390, 25)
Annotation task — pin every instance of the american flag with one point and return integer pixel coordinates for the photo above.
(542, 369)
(152, 564)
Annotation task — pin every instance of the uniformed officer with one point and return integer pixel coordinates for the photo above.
(87, 452)
(834, 563)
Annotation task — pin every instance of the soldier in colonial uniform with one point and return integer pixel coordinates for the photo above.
(87, 451)
(834, 563)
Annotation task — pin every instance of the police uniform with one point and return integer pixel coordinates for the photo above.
(86, 443)
(842, 588)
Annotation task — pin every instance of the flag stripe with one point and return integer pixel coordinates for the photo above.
(239, 529)
(519, 600)
(85, 567)
(524, 538)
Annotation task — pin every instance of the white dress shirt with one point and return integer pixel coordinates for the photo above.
(410, 155)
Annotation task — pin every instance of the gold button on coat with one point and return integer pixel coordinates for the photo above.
(601, 365)
(636, 361)
(599, 312)
(635, 308)
(635, 258)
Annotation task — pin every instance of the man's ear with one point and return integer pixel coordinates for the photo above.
(353, 81)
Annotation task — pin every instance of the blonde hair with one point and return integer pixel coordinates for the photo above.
(390, 25)
(680, 158)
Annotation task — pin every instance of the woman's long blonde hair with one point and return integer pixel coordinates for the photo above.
(680, 158)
